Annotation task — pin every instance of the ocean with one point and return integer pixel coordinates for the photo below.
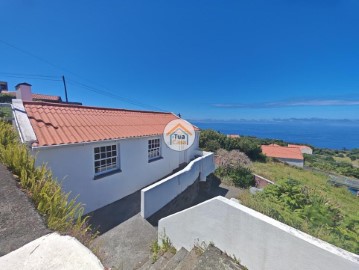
(332, 134)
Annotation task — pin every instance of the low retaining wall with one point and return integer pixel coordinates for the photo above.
(156, 196)
(262, 182)
(258, 241)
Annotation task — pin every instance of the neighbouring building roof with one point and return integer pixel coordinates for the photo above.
(58, 123)
(38, 97)
(277, 151)
(299, 146)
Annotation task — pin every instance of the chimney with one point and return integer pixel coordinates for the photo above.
(23, 91)
(3, 86)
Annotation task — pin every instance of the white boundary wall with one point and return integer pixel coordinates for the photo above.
(156, 196)
(259, 241)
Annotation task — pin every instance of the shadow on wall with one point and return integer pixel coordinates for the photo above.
(109, 216)
(197, 193)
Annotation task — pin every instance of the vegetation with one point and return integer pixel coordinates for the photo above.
(306, 201)
(4, 98)
(234, 168)
(5, 112)
(160, 249)
(240, 176)
(329, 164)
(61, 214)
(211, 140)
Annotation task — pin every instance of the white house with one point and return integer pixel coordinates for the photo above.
(100, 154)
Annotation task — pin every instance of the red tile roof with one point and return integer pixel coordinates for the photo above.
(277, 151)
(58, 123)
(299, 146)
(40, 97)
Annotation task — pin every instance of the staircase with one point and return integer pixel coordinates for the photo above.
(196, 259)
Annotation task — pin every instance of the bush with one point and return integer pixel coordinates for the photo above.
(61, 214)
(239, 176)
(232, 158)
(211, 140)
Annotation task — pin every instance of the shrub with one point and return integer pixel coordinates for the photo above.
(237, 175)
(61, 214)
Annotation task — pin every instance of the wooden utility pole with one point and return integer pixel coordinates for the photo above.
(63, 79)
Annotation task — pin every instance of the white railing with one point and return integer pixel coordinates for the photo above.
(258, 241)
(157, 195)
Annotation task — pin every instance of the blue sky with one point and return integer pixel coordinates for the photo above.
(204, 59)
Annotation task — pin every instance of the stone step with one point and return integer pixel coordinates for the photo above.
(161, 261)
(213, 258)
(146, 265)
(176, 259)
(190, 260)
(142, 262)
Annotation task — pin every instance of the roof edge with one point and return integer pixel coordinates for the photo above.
(87, 107)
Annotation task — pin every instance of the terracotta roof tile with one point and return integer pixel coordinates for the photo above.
(277, 151)
(299, 146)
(40, 97)
(57, 123)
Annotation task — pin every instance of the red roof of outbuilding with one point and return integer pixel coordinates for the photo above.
(40, 97)
(299, 146)
(57, 123)
(277, 151)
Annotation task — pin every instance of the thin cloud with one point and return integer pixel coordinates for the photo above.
(290, 103)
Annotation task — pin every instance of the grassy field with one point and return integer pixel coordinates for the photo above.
(347, 159)
(309, 203)
(341, 197)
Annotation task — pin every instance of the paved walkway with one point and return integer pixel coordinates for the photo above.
(127, 244)
(19, 221)
(125, 237)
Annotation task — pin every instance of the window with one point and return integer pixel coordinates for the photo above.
(154, 149)
(106, 159)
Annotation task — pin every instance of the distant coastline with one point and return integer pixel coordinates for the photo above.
(323, 133)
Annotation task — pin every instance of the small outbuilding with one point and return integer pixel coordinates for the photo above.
(290, 155)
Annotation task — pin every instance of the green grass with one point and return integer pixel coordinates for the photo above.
(61, 214)
(348, 160)
(309, 203)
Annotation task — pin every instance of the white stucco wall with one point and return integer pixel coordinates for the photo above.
(157, 195)
(259, 241)
(73, 165)
(294, 162)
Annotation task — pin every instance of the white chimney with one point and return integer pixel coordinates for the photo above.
(23, 91)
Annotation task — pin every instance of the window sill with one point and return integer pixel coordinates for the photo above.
(105, 174)
(155, 159)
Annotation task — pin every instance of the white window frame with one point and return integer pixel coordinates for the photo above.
(154, 149)
(106, 159)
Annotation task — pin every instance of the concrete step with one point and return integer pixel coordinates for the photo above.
(176, 259)
(146, 265)
(190, 260)
(162, 261)
(213, 258)
(142, 262)
(126, 244)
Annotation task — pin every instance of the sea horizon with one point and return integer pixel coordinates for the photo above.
(322, 133)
